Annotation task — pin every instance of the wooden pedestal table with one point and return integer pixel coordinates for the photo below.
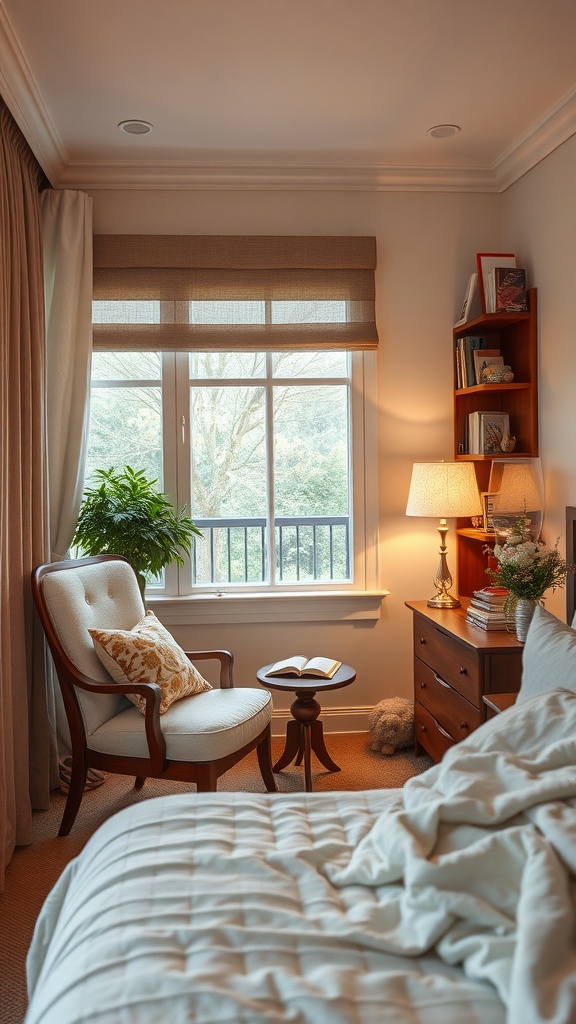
(305, 734)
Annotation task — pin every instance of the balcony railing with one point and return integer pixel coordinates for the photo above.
(308, 549)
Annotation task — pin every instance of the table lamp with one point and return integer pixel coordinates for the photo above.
(443, 490)
(517, 488)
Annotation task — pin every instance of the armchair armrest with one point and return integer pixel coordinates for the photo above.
(152, 695)
(226, 660)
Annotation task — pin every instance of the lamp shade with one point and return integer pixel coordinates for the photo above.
(520, 487)
(443, 490)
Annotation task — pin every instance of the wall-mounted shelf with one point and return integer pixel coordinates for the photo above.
(515, 335)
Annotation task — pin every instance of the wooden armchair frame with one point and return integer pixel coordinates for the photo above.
(204, 773)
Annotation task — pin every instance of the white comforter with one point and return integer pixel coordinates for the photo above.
(348, 908)
(484, 846)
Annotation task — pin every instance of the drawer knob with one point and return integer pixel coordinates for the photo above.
(462, 670)
(422, 640)
(422, 728)
(463, 725)
(422, 686)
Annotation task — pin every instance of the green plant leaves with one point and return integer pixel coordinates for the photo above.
(126, 514)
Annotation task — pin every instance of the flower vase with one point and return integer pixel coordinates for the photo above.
(523, 612)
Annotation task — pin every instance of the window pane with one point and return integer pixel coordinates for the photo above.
(227, 365)
(311, 481)
(229, 481)
(133, 312)
(311, 364)
(227, 312)
(315, 312)
(125, 430)
(126, 366)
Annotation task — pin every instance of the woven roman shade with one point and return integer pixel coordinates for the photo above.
(202, 292)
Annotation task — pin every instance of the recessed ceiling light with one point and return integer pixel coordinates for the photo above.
(135, 127)
(443, 131)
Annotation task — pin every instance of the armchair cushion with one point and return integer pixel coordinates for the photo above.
(148, 653)
(210, 725)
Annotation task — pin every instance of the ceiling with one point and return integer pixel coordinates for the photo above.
(290, 93)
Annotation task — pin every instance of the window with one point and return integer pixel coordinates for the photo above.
(257, 445)
(238, 372)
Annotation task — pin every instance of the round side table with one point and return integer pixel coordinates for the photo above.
(305, 733)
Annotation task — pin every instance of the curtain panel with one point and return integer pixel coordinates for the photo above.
(67, 235)
(27, 742)
(209, 292)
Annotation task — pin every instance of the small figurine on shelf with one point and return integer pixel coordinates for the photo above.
(508, 443)
(495, 374)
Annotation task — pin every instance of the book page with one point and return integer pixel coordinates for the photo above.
(325, 667)
(294, 664)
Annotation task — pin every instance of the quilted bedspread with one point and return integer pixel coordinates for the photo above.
(449, 902)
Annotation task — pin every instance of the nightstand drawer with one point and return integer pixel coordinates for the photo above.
(452, 660)
(456, 715)
(429, 734)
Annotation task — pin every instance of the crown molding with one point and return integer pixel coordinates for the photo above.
(23, 99)
(557, 127)
(173, 174)
(21, 95)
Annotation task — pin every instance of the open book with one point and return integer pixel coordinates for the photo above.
(301, 666)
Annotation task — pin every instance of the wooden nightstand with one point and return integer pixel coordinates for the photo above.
(455, 665)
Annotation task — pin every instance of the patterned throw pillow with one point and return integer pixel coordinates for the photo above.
(148, 653)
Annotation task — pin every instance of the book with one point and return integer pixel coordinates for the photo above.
(485, 262)
(298, 665)
(466, 346)
(507, 288)
(490, 602)
(466, 312)
(492, 594)
(486, 612)
(485, 625)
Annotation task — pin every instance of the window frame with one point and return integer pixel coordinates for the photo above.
(356, 601)
(179, 601)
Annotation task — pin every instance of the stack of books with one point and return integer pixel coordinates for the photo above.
(486, 608)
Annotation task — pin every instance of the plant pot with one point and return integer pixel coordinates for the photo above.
(523, 612)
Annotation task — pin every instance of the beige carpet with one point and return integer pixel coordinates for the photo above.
(34, 869)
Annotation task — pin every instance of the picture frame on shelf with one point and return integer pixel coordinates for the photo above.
(486, 357)
(491, 429)
(487, 498)
(485, 432)
(487, 261)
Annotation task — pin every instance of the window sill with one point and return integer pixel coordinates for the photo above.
(343, 606)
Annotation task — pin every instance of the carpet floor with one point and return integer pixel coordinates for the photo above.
(34, 869)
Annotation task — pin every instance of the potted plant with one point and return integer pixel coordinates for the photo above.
(124, 513)
(526, 569)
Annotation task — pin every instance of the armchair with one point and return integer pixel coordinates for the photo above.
(196, 740)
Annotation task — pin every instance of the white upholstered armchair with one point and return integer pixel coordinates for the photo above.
(92, 614)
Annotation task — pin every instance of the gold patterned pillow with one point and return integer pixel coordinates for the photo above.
(148, 653)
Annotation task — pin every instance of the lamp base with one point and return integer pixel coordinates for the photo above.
(443, 601)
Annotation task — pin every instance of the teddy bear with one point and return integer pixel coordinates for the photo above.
(391, 724)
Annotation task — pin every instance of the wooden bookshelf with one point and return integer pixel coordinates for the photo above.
(515, 335)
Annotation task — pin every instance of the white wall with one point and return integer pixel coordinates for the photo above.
(426, 250)
(539, 221)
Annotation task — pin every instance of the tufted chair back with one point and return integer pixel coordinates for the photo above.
(101, 595)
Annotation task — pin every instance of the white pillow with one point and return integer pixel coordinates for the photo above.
(549, 656)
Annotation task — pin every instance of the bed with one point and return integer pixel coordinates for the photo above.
(451, 901)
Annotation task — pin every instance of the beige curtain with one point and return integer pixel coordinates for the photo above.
(27, 749)
(67, 237)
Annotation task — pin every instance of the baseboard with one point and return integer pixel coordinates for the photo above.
(333, 720)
